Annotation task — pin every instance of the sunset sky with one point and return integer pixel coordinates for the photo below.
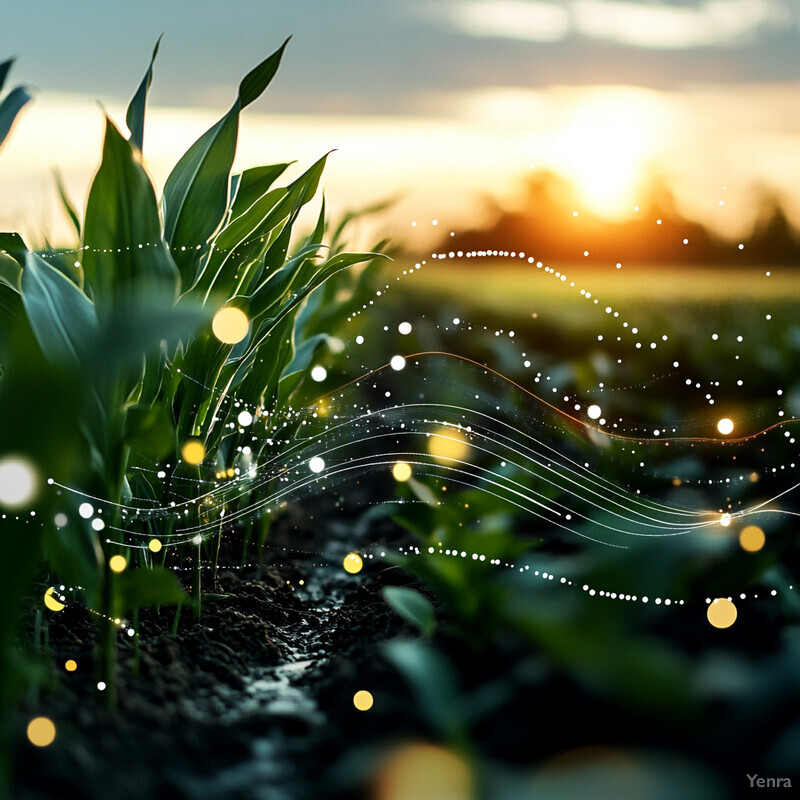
(438, 102)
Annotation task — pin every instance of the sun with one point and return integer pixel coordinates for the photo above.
(608, 139)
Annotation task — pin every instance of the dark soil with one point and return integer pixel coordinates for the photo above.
(254, 700)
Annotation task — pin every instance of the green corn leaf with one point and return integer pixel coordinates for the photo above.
(297, 368)
(148, 430)
(433, 680)
(134, 118)
(196, 191)
(253, 184)
(61, 316)
(122, 232)
(5, 66)
(13, 245)
(69, 209)
(412, 607)
(10, 272)
(142, 588)
(10, 106)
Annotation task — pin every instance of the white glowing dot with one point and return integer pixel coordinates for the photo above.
(245, 418)
(319, 374)
(316, 464)
(101, 686)
(404, 328)
(19, 482)
(98, 524)
(60, 520)
(86, 510)
(397, 363)
(725, 426)
(359, 340)
(594, 412)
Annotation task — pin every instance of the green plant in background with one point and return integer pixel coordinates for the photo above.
(110, 363)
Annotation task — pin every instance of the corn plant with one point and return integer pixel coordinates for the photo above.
(117, 333)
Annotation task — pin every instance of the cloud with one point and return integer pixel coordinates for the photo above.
(657, 25)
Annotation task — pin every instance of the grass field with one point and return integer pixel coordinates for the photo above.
(520, 287)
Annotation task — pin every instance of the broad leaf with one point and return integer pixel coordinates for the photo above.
(134, 118)
(412, 607)
(142, 588)
(196, 191)
(125, 251)
(11, 105)
(61, 316)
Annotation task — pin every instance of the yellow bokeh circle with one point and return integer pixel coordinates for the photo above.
(401, 471)
(70, 665)
(41, 731)
(230, 325)
(154, 546)
(721, 613)
(448, 444)
(117, 563)
(752, 538)
(352, 563)
(193, 451)
(363, 700)
(51, 602)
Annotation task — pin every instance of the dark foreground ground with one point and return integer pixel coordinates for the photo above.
(255, 702)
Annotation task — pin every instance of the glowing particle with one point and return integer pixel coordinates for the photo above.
(101, 686)
(397, 363)
(51, 602)
(725, 426)
(319, 373)
(404, 328)
(363, 700)
(19, 482)
(359, 340)
(721, 613)
(98, 524)
(725, 520)
(316, 464)
(594, 412)
(41, 731)
(193, 451)
(60, 519)
(117, 563)
(70, 665)
(154, 546)
(352, 563)
(245, 418)
(448, 444)
(230, 325)
(752, 538)
(423, 772)
(401, 471)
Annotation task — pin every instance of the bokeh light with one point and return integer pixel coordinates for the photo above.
(752, 538)
(725, 426)
(193, 451)
(41, 731)
(154, 545)
(51, 602)
(401, 471)
(448, 444)
(424, 772)
(70, 665)
(117, 563)
(363, 700)
(230, 325)
(721, 612)
(19, 482)
(352, 563)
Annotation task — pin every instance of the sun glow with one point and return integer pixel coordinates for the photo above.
(607, 143)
